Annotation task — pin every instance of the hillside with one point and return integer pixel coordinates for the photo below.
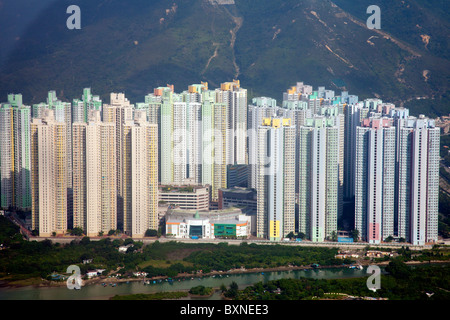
(269, 45)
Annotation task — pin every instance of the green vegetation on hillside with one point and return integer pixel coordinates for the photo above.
(135, 47)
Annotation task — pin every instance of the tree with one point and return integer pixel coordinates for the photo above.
(117, 242)
(86, 256)
(85, 241)
(320, 293)
(151, 233)
(76, 231)
(232, 291)
(355, 235)
(334, 236)
(399, 269)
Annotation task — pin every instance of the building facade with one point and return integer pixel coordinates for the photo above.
(49, 175)
(235, 98)
(375, 179)
(227, 223)
(418, 180)
(276, 179)
(186, 197)
(15, 161)
(140, 176)
(101, 176)
(119, 111)
(318, 174)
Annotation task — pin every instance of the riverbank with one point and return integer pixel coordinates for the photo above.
(111, 280)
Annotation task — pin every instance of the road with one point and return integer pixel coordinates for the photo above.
(24, 231)
(349, 246)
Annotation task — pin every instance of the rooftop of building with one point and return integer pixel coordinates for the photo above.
(182, 189)
(249, 193)
(237, 189)
(229, 214)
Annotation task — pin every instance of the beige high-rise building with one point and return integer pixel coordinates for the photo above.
(101, 176)
(79, 174)
(118, 112)
(140, 175)
(62, 112)
(49, 174)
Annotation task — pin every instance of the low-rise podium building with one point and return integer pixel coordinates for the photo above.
(229, 223)
(186, 197)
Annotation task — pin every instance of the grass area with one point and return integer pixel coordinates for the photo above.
(331, 296)
(151, 296)
(201, 291)
(334, 296)
(163, 263)
(21, 280)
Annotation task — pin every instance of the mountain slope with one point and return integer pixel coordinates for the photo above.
(269, 45)
(320, 42)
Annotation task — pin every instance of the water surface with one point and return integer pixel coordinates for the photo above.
(100, 292)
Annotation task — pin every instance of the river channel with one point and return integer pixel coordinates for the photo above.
(104, 292)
